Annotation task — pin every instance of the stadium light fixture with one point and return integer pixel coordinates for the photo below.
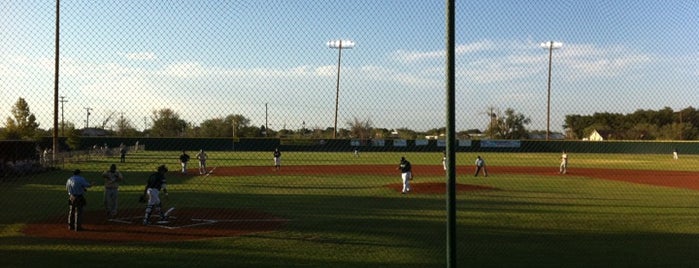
(339, 45)
(551, 45)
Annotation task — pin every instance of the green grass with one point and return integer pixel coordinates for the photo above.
(351, 221)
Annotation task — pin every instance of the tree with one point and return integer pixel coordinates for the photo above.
(360, 129)
(124, 128)
(167, 123)
(510, 125)
(106, 120)
(22, 124)
(407, 134)
(216, 127)
(492, 114)
(238, 123)
(663, 124)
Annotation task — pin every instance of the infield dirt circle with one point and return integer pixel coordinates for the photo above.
(203, 223)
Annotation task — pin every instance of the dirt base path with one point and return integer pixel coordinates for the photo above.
(202, 223)
(677, 179)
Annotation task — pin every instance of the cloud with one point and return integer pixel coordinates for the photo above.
(141, 56)
(588, 60)
(489, 61)
(185, 70)
(405, 56)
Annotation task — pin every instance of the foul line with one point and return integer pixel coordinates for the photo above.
(210, 171)
(201, 222)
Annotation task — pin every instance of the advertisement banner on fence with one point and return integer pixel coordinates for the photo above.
(400, 143)
(378, 143)
(500, 144)
(461, 143)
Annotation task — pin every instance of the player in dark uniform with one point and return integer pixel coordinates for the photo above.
(277, 159)
(406, 174)
(156, 183)
(184, 159)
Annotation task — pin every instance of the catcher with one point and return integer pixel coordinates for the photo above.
(156, 183)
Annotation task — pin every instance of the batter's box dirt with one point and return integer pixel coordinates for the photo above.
(183, 224)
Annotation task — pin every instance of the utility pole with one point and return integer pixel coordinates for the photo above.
(87, 121)
(266, 127)
(63, 123)
(550, 46)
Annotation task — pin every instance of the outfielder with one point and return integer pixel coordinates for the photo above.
(156, 183)
(563, 169)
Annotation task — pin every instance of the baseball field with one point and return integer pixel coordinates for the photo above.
(338, 210)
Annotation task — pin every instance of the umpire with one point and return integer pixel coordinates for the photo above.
(76, 187)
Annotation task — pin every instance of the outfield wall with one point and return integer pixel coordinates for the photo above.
(390, 145)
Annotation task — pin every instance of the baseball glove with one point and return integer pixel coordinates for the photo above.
(142, 198)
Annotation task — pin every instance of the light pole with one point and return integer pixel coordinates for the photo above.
(339, 44)
(551, 45)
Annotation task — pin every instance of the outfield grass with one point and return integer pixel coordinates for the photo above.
(350, 221)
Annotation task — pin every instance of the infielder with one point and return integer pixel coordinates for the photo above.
(277, 159)
(112, 178)
(406, 174)
(156, 183)
(201, 156)
(480, 164)
(184, 159)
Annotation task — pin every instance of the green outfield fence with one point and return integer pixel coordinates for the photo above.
(389, 145)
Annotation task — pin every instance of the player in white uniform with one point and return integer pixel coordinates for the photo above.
(201, 156)
(563, 169)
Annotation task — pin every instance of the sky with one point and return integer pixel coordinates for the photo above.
(269, 60)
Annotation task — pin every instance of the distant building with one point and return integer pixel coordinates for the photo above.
(600, 135)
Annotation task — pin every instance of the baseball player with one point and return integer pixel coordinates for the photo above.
(156, 183)
(480, 164)
(184, 159)
(563, 169)
(277, 159)
(201, 156)
(112, 178)
(406, 174)
(444, 161)
(76, 187)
